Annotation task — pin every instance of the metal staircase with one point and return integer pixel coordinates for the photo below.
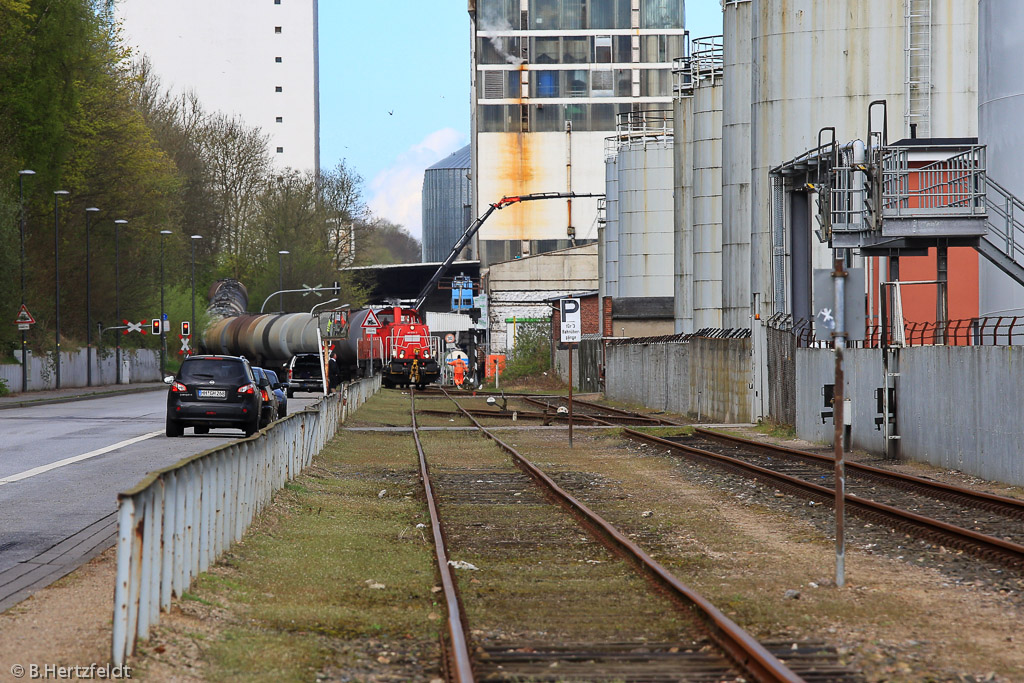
(1003, 243)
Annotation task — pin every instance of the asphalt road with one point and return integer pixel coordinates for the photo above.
(62, 465)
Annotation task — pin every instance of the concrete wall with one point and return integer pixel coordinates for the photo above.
(957, 407)
(143, 366)
(705, 377)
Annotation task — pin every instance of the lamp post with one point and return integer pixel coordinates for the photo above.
(280, 277)
(88, 300)
(163, 331)
(57, 194)
(192, 320)
(24, 341)
(117, 294)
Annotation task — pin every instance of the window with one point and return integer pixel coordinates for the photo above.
(603, 50)
(277, 59)
(546, 84)
(278, 88)
(662, 14)
(280, 150)
(601, 83)
(277, 29)
(277, 2)
(279, 119)
(494, 85)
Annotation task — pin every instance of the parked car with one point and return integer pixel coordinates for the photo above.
(281, 391)
(305, 374)
(213, 391)
(270, 407)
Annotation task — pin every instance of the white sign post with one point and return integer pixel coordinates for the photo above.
(572, 331)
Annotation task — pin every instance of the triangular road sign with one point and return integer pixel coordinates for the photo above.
(370, 321)
(24, 316)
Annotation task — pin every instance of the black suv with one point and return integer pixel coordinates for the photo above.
(305, 374)
(213, 391)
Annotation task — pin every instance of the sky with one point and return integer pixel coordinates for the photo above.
(394, 92)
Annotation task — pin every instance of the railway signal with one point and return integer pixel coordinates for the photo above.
(133, 327)
(186, 328)
(186, 348)
(154, 326)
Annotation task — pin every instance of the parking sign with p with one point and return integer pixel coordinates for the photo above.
(572, 327)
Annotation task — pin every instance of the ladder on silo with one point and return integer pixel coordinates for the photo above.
(918, 66)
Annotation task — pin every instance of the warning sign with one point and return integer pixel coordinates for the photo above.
(370, 322)
(24, 317)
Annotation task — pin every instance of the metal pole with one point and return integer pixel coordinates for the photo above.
(163, 326)
(570, 395)
(839, 336)
(192, 321)
(117, 295)
(280, 278)
(88, 300)
(942, 295)
(24, 340)
(56, 279)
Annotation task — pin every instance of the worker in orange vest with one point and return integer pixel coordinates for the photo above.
(459, 371)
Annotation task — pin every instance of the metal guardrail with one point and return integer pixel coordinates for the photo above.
(950, 187)
(989, 331)
(179, 520)
(1005, 215)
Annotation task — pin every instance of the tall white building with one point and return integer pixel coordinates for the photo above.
(253, 58)
(549, 79)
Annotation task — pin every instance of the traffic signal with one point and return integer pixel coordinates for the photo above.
(185, 328)
(154, 326)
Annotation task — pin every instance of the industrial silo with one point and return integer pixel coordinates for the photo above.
(446, 196)
(707, 183)
(611, 228)
(736, 163)
(646, 238)
(682, 124)
(1000, 110)
(818, 64)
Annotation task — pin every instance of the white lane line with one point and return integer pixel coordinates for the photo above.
(76, 458)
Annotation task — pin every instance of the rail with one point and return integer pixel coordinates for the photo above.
(179, 520)
(949, 187)
(741, 647)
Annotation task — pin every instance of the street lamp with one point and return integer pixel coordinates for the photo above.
(280, 277)
(88, 301)
(192, 321)
(57, 194)
(24, 341)
(117, 294)
(322, 303)
(163, 332)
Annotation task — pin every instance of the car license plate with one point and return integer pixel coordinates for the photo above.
(212, 393)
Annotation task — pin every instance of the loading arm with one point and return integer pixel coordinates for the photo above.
(475, 225)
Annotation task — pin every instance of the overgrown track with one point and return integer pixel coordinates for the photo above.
(800, 473)
(597, 413)
(649, 661)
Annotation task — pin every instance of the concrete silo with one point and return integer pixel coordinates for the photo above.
(446, 204)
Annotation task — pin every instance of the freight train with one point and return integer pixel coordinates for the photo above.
(399, 346)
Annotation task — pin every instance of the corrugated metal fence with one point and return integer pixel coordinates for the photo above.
(179, 520)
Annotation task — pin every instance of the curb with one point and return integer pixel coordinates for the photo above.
(4, 405)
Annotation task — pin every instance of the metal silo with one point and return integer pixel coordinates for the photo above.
(611, 227)
(816, 64)
(736, 164)
(1000, 110)
(646, 241)
(446, 193)
(707, 183)
(682, 151)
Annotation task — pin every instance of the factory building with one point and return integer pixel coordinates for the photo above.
(549, 78)
(254, 60)
(447, 195)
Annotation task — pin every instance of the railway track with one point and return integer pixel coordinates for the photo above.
(598, 413)
(710, 647)
(984, 525)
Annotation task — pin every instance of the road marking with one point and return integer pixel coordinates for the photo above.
(76, 458)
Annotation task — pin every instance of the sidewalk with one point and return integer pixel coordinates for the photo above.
(39, 398)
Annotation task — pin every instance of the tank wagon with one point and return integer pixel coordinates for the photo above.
(400, 346)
